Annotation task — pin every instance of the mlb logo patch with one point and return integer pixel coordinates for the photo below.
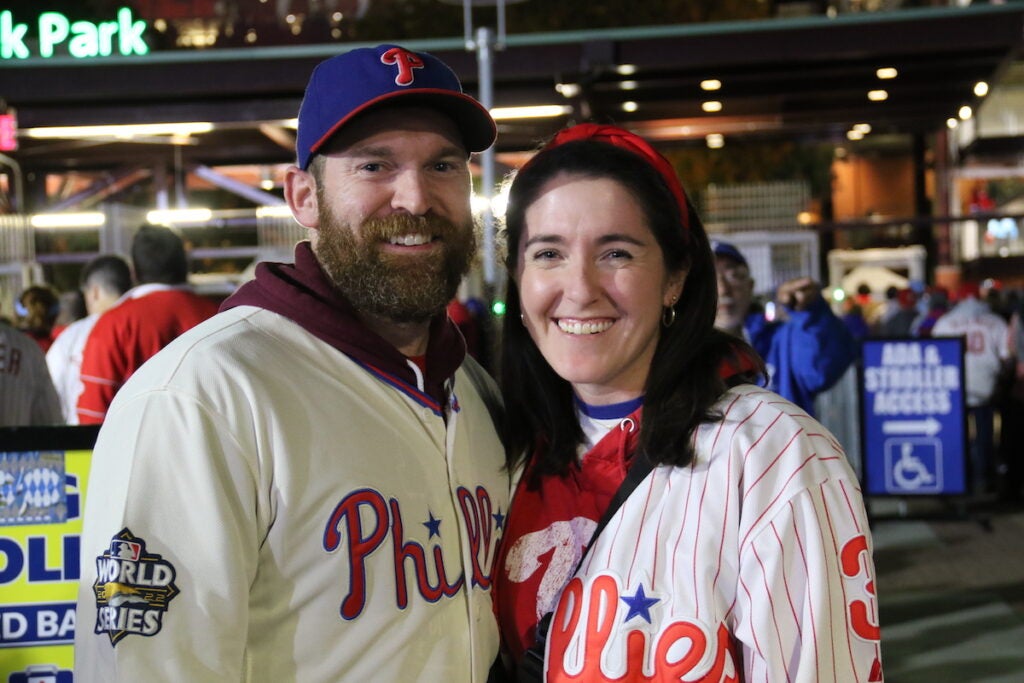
(133, 589)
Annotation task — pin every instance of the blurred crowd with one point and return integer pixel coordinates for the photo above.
(64, 355)
(990, 318)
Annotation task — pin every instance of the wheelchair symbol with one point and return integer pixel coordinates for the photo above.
(913, 465)
(909, 472)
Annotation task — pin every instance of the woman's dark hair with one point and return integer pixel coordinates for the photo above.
(684, 381)
(41, 305)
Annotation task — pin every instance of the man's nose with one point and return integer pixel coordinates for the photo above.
(411, 193)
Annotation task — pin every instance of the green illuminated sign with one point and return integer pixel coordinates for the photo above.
(56, 34)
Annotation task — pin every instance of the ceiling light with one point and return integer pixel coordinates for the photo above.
(628, 85)
(567, 89)
(715, 140)
(711, 106)
(863, 128)
(273, 211)
(952, 123)
(626, 69)
(854, 135)
(886, 73)
(964, 113)
(171, 216)
(878, 95)
(710, 84)
(86, 219)
(534, 112)
(126, 131)
(981, 88)
(630, 106)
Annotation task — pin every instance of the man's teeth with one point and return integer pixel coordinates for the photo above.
(584, 327)
(410, 240)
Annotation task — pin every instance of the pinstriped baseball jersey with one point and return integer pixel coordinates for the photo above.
(753, 564)
(27, 396)
(263, 507)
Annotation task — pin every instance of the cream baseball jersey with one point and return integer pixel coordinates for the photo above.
(309, 518)
(752, 564)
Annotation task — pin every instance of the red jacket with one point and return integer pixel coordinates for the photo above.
(147, 319)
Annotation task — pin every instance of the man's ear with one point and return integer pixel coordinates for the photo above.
(300, 193)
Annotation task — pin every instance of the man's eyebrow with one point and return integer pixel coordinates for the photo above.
(387, 152)
(358, 150)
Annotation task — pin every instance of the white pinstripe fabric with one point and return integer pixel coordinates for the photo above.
(750, 538)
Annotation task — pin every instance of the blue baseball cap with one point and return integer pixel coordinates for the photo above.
(348, 84)
(729, 251)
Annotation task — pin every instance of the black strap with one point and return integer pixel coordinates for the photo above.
(530, 667)
(637, 472)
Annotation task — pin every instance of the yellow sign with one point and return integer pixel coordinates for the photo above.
(41, 504)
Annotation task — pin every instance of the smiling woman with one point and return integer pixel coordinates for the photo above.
(662, 493)
(589, 268)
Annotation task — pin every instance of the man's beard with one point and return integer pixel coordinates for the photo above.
(401, 288)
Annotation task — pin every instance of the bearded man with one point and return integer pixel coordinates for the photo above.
(309, 485)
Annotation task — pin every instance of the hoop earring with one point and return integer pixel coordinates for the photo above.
(668, 316)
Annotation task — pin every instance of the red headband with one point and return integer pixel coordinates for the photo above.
(619, 137)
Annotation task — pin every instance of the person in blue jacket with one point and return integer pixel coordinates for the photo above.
(807, 350)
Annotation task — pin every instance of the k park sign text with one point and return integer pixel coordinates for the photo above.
(55, 34)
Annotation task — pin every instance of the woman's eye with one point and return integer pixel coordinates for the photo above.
(545, 254)
(619, 254)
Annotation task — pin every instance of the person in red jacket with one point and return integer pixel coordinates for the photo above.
(147, 318)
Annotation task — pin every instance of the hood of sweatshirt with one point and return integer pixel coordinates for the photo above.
(302, 292)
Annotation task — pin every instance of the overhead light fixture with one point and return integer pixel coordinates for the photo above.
(715, 140)
(981, 88)
(711, 84)
(630, 106)
(281, 211)
(628, 85)
(567, 89)
(125, 131)
(854, 135)
(965, 112)
(626, 69)
(85, 219)
(540, 111)
(952, 123)
(172, 216)
(878, 95)
(886, 73)
(862, 128)
(711, 106)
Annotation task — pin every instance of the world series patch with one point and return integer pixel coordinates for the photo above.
(133, 588)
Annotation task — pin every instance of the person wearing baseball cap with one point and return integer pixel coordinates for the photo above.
(310, 486)
(806, 350)
(664, 493)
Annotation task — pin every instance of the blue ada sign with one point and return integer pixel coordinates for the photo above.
(914, 422)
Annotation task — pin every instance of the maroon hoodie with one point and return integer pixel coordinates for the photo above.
(302, 293)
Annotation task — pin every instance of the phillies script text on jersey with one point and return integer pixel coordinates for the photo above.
(364, 519)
